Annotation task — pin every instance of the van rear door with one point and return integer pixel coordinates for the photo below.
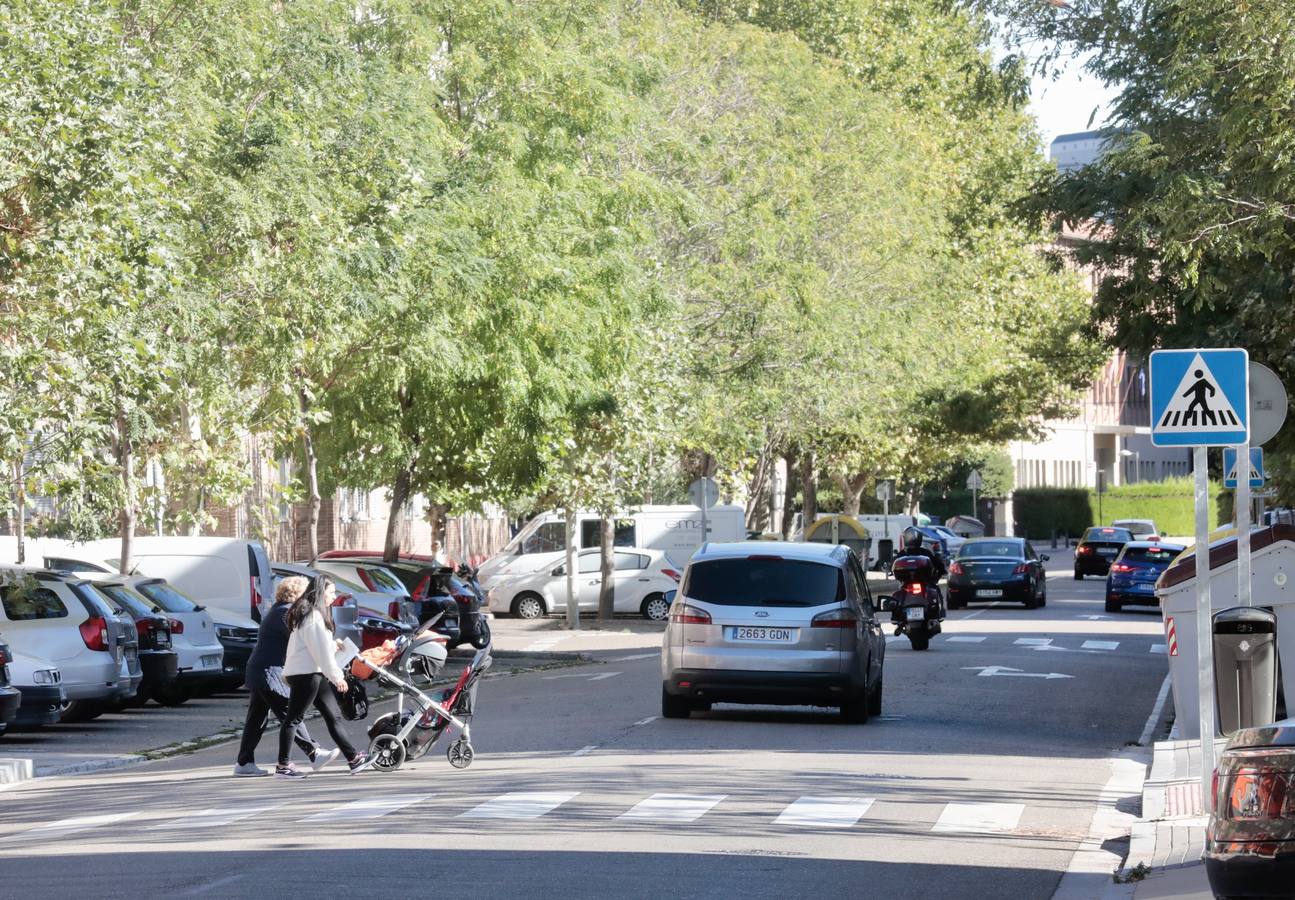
(262, 580)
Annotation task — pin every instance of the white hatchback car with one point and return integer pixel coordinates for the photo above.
(641, 576)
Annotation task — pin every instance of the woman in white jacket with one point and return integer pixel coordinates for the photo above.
(311, 659)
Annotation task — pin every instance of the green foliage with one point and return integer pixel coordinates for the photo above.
(1040, 512)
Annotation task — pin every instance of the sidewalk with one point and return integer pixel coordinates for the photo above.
(1169, 838)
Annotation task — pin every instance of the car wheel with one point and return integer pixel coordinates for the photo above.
(1079, 576)
(1113, 605)
(529, 606)
(701, 705)
(655, 607)
(1032, 598)
(482, 638)
(856, 710)
(956, 604)
(171, 694)
(673, 707)
(874, 698)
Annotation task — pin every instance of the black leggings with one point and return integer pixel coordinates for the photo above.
(307, 690)
(263, 702)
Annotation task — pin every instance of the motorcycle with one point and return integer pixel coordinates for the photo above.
(459, 601)
(474, 623)
(917, 608)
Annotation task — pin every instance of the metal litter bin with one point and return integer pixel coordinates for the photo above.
(1245, 667)
(885, 553)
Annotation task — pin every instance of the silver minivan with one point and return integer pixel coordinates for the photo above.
(780, 623)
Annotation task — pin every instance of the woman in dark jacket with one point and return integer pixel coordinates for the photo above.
(270, 652)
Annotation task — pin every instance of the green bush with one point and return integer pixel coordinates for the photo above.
(1041, 511)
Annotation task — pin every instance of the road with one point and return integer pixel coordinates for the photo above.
(978, 781)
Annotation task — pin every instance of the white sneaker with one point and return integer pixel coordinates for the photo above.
(324, 757)
(249, 770)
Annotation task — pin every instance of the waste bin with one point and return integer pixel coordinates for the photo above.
(1245, 667)
(1272, 565)
(885, 553)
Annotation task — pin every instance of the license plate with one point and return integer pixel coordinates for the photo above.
(996, 592)
(915, 613)
(210, 661)
(748, 633)
(1110, 551)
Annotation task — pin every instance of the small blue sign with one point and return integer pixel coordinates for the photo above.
(1257, 474)
(1200, 398)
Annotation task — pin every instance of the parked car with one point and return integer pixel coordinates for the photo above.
(641, 579)
(132, 669)
(41, 685)
(48, 613)
(199, 654)
(10, 696)
(1098, 548)
(952, 540)
(431, 585)
(932, 540)
(998, 569)
(345, 606)
(1250, 839)
(791, 623)
(1141, 529)
(1133, 574)
(223, 574)
(376, 579)
(159, 661)
(237, 637)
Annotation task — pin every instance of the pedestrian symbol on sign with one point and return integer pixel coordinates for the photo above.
(1198, 397)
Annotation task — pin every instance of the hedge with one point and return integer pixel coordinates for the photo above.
(1040, 512)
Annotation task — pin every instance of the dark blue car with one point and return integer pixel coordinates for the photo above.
(1132, 576)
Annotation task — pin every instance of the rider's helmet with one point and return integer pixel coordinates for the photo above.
(913, 540)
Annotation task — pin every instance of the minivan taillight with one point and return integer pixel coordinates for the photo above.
(834, 618)
(689, 615)
(671, 573)
(95, 633)
(956, 569)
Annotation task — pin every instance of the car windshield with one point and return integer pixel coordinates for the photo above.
(989, 548)
(166, 597)
(764, 581)
(1108, 534)
(1163, 555)
(124, 598)
(1137, 526)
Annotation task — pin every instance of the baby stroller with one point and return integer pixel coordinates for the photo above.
(419, 721)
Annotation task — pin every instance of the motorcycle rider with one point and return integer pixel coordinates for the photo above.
(913, 547)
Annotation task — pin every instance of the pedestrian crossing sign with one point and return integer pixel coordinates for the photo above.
(1200, 398)
(1256, 467)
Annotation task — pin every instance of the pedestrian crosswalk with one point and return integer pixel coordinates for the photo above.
(1073, 643)
(806, 813)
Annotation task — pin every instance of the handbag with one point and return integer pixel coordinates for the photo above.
(354, 704)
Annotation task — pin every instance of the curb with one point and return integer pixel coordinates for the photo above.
(14, 770)
(91, 765)
(579, 655)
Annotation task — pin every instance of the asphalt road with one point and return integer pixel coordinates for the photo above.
(969, 785)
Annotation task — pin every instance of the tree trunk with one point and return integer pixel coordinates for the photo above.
(573, 596)
(808, 489)
(20, 510)
(125, 470)
(607, 590)
(399, 497)
(852, 491)
(757, 511)
(436, 513)
(789, 498)
(312, 481)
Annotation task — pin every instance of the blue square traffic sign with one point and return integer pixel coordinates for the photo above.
(1256, 467)
(1200, 398)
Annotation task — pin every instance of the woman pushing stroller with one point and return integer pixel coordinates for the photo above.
(310, 660)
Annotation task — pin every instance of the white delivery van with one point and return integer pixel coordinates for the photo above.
(676, 530)
(223, 574)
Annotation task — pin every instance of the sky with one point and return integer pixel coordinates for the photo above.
(1064, 105)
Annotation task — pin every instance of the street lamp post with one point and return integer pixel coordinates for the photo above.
(1137, 463)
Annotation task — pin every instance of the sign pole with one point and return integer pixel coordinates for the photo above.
(1204, 624)
(1242, 502)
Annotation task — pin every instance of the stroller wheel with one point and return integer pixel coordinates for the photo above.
(460, 754)
(388, 752)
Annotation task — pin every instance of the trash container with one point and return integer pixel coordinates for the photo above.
(1245, 667)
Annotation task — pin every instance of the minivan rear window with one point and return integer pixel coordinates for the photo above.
(166, 597)
(1108, 534)
(751, 581)
(384, 582)
(1151, 554)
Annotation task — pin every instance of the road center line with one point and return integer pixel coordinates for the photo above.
(604, 676)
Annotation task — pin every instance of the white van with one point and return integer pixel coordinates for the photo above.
(223, 574)
(676, 530)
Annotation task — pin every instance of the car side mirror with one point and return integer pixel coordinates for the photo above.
(1044, 557)
(559, 571)
(889, 604)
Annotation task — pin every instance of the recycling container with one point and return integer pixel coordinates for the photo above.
(1245, 667)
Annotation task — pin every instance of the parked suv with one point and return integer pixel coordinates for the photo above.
(1098, 548)
(41, 685)
(790, 624)
(1133, 575)
(10, 697)
(42, 615)
(158, 660)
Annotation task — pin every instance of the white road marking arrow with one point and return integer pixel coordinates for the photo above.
(1094, 618)
(987, 671)
(1063, 649)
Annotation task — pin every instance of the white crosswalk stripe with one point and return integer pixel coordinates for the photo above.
(217, 816)
(368, 809)
(979, 818)
(825, 812)
(521, 805)
(966, 639)
(80, 823)
(673, 807)
(1032, 642)
(1100, 645)
(1157, 648)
